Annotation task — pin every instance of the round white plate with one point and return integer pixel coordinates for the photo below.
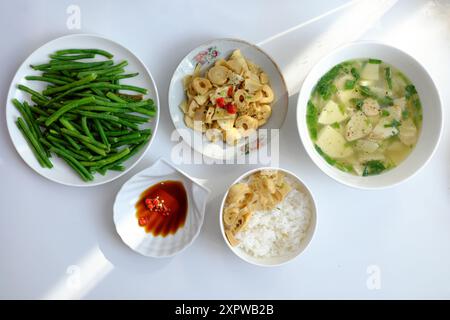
(206, 55)
(61, 172)
(135, 236)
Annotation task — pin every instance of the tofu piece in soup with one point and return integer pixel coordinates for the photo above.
(333, 143)
(357, 127)
(370, 71)
(332, 113)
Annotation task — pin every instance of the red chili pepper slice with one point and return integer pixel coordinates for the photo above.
(230, 91)
(231, 108)
(142, 221)
(220, 102)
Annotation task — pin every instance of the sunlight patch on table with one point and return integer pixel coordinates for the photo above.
(350, 23)
(81, 277)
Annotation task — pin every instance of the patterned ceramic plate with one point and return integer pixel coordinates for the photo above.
(126, 221)
(206, 55)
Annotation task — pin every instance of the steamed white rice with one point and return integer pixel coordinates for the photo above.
(280, 231)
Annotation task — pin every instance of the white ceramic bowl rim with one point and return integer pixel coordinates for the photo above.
(377, 181)
(311, 229)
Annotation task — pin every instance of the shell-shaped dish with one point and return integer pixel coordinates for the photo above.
(125, 212)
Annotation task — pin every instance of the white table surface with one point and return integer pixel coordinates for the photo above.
(60, 242)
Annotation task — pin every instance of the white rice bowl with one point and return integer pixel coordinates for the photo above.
(277, 236)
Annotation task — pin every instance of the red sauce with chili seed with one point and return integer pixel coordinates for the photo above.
(165, 210)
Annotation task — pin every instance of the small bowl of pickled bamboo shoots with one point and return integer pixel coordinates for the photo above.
(222, 94)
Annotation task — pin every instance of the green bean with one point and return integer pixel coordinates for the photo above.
(83, 138)
(131, 97)
(89, 78)
(97, 98)
(38, 149)
(71, 66)
(81, 51)
(91, 147)
(67, 107)
(146, 132)
(32, 92)
(67, 73)
(57, 76)
(107, 125)
(87, 155)
(133, 151)
(72, 142)
(33, 149)
(57, 140)
(144, 111)
(98, 92)
(102, 108)
(85, 127)
(31, 123)
(46, 79)
(75, 124)
(117, 168)
(126, 123)
(113, 72)
(107, 160)
(101, 132)
(118, 76)
(83, 176)
(115, 98)
(38, 111)
(107, 85)
(58, 145)
(26, 117)
(128, 142)
(76, 164)
(105, 71)
(34, 125)
(101, 85)
(72, 57)
(65, 122)
(129, 136)
(96, 115)
(123, 105)
(133, 118)
(117, 133)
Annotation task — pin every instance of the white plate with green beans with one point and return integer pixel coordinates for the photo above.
(82, 110)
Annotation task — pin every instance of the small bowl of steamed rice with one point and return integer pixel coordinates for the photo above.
(268, 216)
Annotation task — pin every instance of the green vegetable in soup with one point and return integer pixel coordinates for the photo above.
(394, 124)
(349, 84)
(385, 101)
(311, 119)
(388, 76)
(373, 167)
(385, 113)
(375, 61)
(325, 87)
(405, 114)
(355, 73)
(410, 90)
